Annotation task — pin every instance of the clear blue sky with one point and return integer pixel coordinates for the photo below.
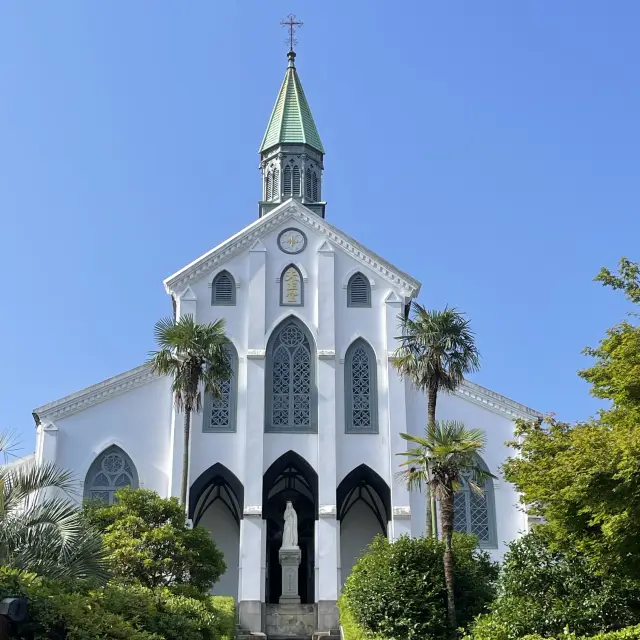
(488, 148)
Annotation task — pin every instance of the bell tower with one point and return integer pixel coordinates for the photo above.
(291, 153)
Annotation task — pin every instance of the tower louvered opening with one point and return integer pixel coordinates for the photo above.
(287, 181)
(314, 179)
(268, 186)
(223, 290)
(275, 185)
(297, 191)
(358, 291)
(307, 183)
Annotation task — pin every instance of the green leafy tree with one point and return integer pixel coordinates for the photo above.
(194, 356)
(41, 527)
(437, 349)
(451, 450)
(543, 592)
(397, 590)
(584, 479)
(149, 542)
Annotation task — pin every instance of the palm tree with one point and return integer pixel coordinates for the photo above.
(437, 348)
(42, 530)
(195, 356)
(451, 451)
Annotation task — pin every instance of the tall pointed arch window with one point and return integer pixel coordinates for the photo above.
(361, 391)
(291, 398)
(314, 185)
(358, 291)
(297, 190)
(475, 512)
(110, 471)
(275, 185)
(223, 290)
(291, 287)
(287, 181)
(219, 414)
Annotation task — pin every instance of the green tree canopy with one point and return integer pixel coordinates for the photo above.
(149, 542)
(584, 479)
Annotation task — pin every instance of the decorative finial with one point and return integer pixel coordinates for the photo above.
(291, 23)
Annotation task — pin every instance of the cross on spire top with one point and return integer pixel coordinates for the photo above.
(291, 23)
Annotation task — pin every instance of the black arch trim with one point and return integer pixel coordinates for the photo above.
(286, 460)
(363, 474)
(216, 475)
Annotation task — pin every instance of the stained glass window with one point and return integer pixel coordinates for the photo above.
(219, 414)
(474, 512)
(110, 471)
(360, 389)
(290, 386)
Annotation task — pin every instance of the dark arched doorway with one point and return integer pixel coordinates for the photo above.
(216, 502)
(364, 509)
(292, 478)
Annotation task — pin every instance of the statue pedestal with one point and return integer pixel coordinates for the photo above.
(290, 561)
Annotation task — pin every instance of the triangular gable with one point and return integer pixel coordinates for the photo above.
(291, 209)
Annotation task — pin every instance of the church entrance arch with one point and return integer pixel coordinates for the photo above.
(216, 502)
(364, 510)
(290, 479)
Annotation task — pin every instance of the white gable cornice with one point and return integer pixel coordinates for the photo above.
(495, 402)
(291, 209)
(100, 392)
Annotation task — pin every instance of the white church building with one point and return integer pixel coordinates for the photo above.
(314, 410)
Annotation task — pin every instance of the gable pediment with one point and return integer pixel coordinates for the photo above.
(250, 239)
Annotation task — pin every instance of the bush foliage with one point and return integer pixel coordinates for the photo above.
(149, 542)
(544, 592)
(78, 611)
(397, 590)
(630, 633)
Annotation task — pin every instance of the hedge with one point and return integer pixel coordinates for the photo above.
(629, 633)
(78, 611)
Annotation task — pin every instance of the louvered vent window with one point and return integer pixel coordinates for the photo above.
(223, 290)
(296, 181)
(358, 291)
(307, 183)
(268, 186)
(275, 187)
(314, 179)
(287, 181)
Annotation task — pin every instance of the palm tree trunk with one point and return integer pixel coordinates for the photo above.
(185, 456)
(428, 525)
(446, 521)
(431, 530)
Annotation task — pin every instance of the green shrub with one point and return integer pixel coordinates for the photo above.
(543, 592)
(630, 633)
(350, 627)
(79, 611)
(149, 542)
(397, 591)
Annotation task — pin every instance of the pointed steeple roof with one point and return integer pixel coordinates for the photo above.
(291, 120)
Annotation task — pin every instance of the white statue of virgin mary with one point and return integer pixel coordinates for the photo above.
(290, 533)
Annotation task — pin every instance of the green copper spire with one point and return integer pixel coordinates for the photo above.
(291, 121)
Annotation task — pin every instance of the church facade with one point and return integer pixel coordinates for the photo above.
(313, 412)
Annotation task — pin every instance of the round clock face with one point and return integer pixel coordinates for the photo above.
(292, 241)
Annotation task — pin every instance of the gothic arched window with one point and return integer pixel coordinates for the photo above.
(297, 191)
(314, 179)
(275, 186)
(307, 183)
(474, 512)
(219, 414)
(358, 291)
(291, 397)
(110, 471)
(223, 290)
(287, 181)
(291, 287)
(360, 393)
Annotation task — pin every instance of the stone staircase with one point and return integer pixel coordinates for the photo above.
(243, 634)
